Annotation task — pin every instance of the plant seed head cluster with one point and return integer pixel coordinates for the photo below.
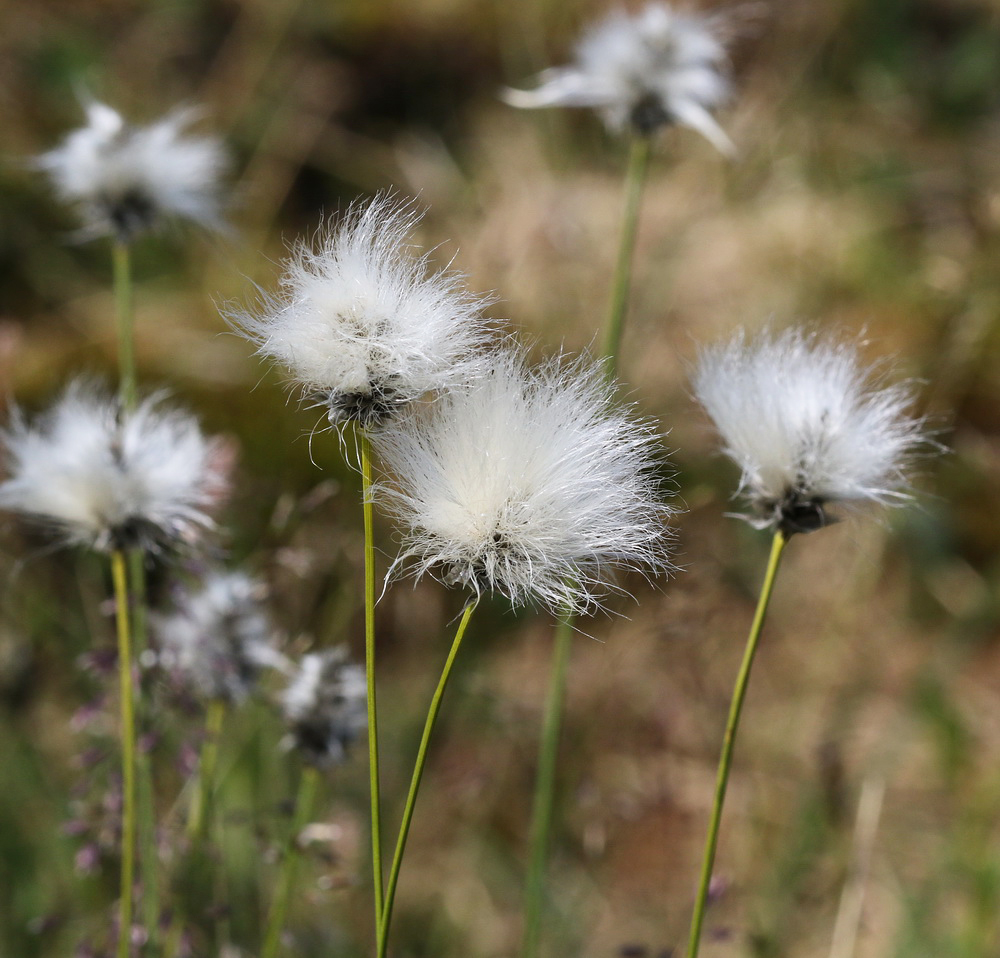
(124, 179)
(112, 479)
(643, 72)
(809, 425)
(530, 482)
(364, 324)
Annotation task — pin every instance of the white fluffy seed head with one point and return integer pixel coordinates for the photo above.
(109, 479)
(530, 483)
(218, 637)
(124, 179)
(363, 324)
(325, 705)
(643, 71)
(808, 424)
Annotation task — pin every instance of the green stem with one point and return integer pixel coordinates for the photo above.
(201, 805)
(376, 814)
(635, 177)
(545, 786)
(418, 771)
(125, 316)
(286, 880)
(732, 724)
(119, 577)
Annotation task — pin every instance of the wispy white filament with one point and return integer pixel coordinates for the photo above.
(325, 705)
(530, 483)
(646, 70)
(809, 424)
(125, 178)
(363, 323)
(219, 636)
(107, 478)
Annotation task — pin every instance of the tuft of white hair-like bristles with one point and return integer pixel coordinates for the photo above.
(365, 324)
(530, 483)
(219, 636)
(809, 424)
(325, 705)
(643, 71)
(107, 478)
(123, 178)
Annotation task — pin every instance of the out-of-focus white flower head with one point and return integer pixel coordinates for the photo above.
(325, 705)
(644, 72)
(110, 479)
(530, 483)
(124, 179)
(363, 324)
(809, 425)
(219, 636)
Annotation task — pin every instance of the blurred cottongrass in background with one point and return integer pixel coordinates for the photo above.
(864, 196)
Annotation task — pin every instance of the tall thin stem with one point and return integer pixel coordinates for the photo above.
(635, 178)
(376, 804)
(119, 577)
(125, 317)
(201, 805)
(308, 785)
(418, 771)
(545, 787)
(732, 724)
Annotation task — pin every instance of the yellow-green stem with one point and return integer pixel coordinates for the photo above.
(119, 577)
(545, 786)
(201, 805)
(376, 814)
(125, 318)
(635, 177)
(418, 771)
(726, 759)
(308, 785)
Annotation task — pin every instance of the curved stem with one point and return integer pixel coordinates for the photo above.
(541, 818)
(308, 785)
(125, 317)
(635, 177)
(118, 575)
(201, 806)
(732, 724)
(373, 774)
(418, 771)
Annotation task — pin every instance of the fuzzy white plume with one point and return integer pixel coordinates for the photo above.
(325, 705)
(107, 478)
(643, 71)
(125, 178)
(363, 323)
(532, 484)
(808, 424)
(219, 636)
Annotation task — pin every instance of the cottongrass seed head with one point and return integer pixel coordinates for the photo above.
(809, 424)
(642, 72)
(219, 636)
(530, 483)
(363, 323)
(112, 479)
(124, 179)
(325, 705)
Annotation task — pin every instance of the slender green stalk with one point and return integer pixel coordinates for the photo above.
(119, 577)
(418, 771)
(286, 880)
(376, 804)
(732, 724)
(635, 178)
(125, 317)
(545, 787)
(201, 805)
